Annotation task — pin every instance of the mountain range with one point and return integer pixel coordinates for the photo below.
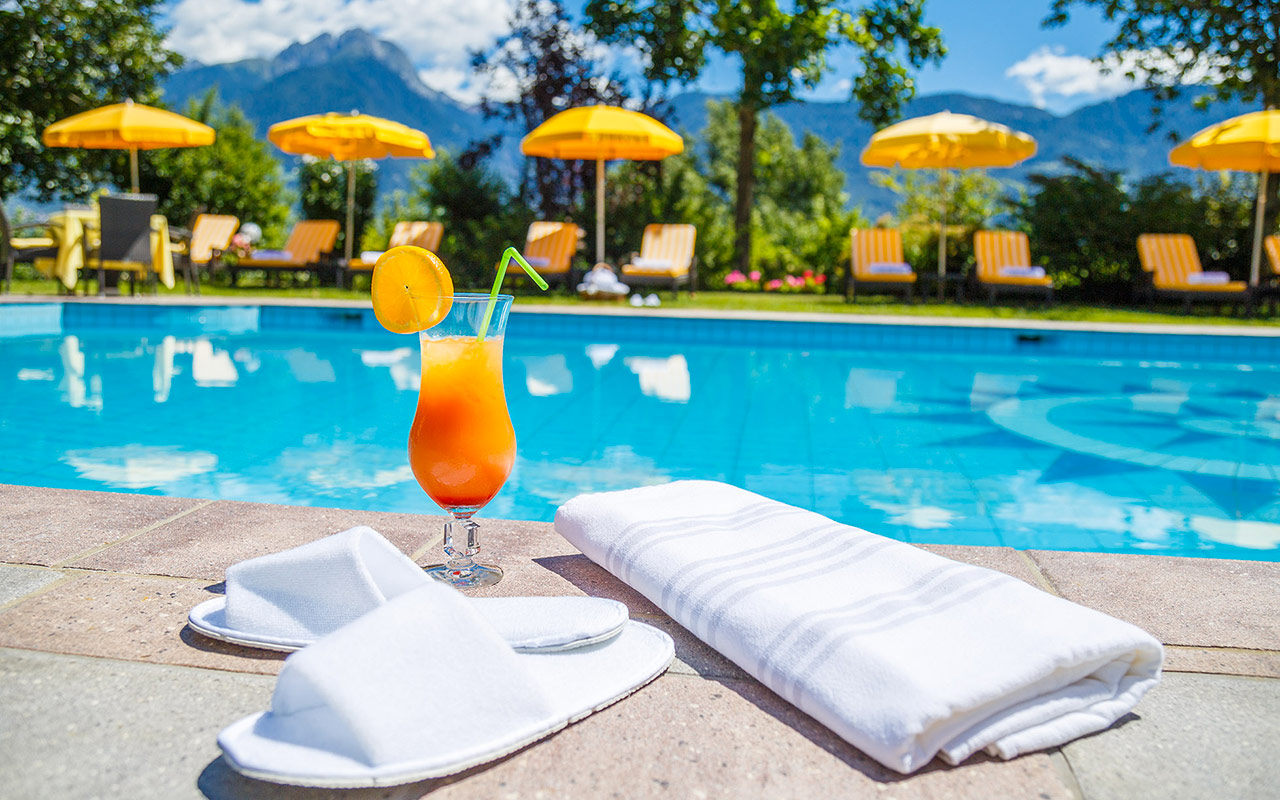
(355, 70)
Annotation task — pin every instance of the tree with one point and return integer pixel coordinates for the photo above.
(480, 216)
(236, 175)
(551, 65)
(1234, 45)
(973, 199)
(1084, 223)
(782, 53)
(801, 222)
(323, 185)
(61, 57)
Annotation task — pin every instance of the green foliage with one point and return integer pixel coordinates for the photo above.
(237, 174)
(61, 57)
(974, 200)
(323, 185)
(800, 221)
(551, 62)
(480, 217)
(1230, 46)
(783, 49)
(1084, 225)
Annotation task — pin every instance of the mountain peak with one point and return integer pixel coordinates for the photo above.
(354, 45)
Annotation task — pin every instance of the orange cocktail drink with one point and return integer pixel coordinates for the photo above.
(461, 445)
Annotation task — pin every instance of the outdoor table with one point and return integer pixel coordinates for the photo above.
(104, 691)
(68, 227)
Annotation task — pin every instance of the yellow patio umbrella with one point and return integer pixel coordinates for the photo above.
(602, 133)
(349, 137)
(947, 141)
(1248, 143)
(128, 126)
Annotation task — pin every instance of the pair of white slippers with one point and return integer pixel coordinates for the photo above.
(400, 678)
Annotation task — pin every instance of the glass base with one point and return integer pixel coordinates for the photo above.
(474, 576)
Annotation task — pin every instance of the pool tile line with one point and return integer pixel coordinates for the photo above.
(48, 587)
(1040, 577)
(1066, 773)
(93, 551)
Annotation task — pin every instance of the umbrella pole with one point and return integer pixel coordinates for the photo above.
(942, 237)
(351, 206)
(599, 210)
(133, 168)
(1255, 266)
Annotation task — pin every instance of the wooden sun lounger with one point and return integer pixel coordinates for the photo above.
(666, 258)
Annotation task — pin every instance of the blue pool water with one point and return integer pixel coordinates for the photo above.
(1044, 439)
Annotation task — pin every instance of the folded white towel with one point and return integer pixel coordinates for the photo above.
(1209, 278)
(652, 263)
(886, 268)
(903, 653)
(538, 261)
(1021, 272)
(370, 256)
(423, 687)
(289, 600)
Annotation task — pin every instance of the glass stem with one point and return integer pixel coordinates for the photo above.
(461, 542)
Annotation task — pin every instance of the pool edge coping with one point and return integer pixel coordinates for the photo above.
(984, 323)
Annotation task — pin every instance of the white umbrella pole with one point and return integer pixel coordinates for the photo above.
(351, 205)
(599, 210)
(942, 238)
(1255, 266)
(133, 168)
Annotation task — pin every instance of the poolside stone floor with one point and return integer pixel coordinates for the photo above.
(104, 692)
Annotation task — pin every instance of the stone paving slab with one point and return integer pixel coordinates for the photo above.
(1187, 601)
(704, 729)
(126, 617)
(1223, 661)
(1193, 737)
(205, 542)
(93, 728)
(46, 526)
(17, 582)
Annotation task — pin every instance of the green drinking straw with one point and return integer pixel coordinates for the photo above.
(507, 255)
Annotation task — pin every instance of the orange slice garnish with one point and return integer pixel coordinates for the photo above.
(412, 289)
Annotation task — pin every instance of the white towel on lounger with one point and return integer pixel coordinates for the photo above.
(888, 268)
(1021, 272)
(903, 653)
(1209, 278)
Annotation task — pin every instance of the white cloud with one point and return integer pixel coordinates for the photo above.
(437, 35)
(1052, 71)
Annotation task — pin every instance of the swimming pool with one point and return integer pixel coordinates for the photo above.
(1030, 438)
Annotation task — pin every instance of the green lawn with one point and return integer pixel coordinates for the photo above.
(757, 301)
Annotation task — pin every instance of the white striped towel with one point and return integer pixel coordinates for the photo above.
(903, 653)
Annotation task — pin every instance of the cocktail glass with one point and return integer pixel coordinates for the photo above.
(462, 445)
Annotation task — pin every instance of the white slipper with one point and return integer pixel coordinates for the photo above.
(288, 600)
(422, 687)
(528, 624)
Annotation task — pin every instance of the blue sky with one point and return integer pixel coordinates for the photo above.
(997, 47)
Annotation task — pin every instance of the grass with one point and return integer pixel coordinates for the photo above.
(757, 301)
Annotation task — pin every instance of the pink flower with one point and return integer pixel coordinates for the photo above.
(808, 273)
(773, 285)
(821, 279)
(754, 274)
(794, 281)
(734, 277)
